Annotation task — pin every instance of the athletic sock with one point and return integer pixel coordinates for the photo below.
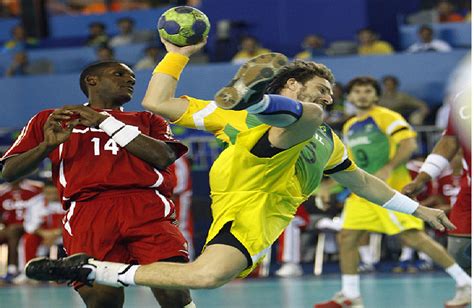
(423, 256)
(277, 110)
(12, 269)
(407, 254)
(111, 273)
(350, 286)
(190, 305)
(458, 274)
(365, 255)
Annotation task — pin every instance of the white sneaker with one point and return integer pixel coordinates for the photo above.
(339, 300)
(289, 270)
(461, 298)
(22, 279)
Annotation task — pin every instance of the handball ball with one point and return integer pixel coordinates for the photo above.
(183, 26)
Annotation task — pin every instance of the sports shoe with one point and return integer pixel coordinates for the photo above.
(462, 298)
(405, 267)
(289, 270)
(341, 301)
(248, 85)
(424, 266)
(8, 278)
(365, 268)
(22, 280)
(66, 269)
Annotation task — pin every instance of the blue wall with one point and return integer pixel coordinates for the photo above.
(424, 75)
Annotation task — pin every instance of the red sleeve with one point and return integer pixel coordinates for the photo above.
(31, 135)
(160, 129)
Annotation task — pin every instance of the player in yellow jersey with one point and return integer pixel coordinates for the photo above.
(380, 141)
(277, 151)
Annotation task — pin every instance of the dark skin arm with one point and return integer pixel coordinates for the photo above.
(447, 147)
(54, 134)
(157, 153)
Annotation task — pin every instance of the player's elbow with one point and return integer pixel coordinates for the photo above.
(8, 174)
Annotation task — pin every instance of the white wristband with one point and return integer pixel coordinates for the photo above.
(111, 125)
(401, 203)
(434, 164)
(125, 135)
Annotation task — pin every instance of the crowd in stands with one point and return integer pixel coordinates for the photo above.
(367, 42)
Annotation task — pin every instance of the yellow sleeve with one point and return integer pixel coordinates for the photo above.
(395, 126)
(339, 160)
(205, 115)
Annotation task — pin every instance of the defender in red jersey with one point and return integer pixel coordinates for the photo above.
(111, 168)
(456, 137)
(14, 199)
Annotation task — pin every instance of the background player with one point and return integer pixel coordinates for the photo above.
(380, 141)
(111, 170)
(14, 199)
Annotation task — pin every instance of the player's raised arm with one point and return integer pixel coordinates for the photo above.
(373, 189)
(160, 94)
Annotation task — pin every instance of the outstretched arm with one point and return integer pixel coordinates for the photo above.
(160, 94)
(374, 190)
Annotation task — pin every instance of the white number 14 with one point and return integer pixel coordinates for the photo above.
(110, 145)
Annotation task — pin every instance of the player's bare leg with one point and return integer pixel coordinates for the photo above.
(349, 296)
(217, 265)
(172, 298)
(102, 296)
(420, 241)
(12, 235)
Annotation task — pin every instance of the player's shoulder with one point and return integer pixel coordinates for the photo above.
(382, 113)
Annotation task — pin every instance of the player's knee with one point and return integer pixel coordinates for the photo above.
(350, 238)
(172, 298)
(414, 238)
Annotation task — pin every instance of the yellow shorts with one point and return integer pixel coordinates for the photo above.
(360, 214)
(260, 195)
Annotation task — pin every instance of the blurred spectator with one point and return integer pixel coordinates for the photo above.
(413, 109)
(249, 48)
(313, 47)
(14, 199)
(127, 33)
(97, 36)
(446, 12)
(19, 40)
(105, 53)
(427, 43)
(370, 45)
(19, 65)
(153, 54)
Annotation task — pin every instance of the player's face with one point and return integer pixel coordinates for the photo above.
(117, 82)
(316, 90)
(363, 96)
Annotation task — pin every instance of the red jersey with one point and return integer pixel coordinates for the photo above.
(91, 162)
(15, 200)
(446, 185)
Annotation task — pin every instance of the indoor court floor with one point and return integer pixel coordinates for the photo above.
(428, 290)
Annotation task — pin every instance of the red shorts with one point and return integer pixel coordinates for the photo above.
(127, 226)
(460, 214)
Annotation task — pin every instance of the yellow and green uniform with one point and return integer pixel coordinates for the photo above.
(372, 141)
(260, 195)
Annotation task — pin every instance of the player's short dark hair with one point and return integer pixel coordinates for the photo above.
(392, 78)
(301, 71)
(93, 69)
(364, 81)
